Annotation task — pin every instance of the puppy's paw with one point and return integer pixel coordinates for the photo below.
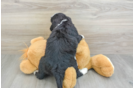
(83, 71)
(35, 72)
(82, 36)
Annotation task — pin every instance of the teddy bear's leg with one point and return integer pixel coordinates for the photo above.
(26, 67)
(69, 78)
(102, 65)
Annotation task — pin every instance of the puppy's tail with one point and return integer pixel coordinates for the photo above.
(24, 51)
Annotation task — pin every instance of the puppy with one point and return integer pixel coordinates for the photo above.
(60, 49)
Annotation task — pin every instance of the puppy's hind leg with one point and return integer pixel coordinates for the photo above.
(59, 79)
(40, 74)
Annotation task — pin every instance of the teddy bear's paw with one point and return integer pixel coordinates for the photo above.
(82, 36)
(35, 72)
(83, 71)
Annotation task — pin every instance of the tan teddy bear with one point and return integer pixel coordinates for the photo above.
(100, 63)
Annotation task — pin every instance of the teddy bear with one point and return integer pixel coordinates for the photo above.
(33, 55)
(100, 63)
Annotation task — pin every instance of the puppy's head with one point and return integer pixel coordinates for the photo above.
(58, 19)
(62, 23)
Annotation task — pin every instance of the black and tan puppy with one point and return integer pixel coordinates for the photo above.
(60, 49)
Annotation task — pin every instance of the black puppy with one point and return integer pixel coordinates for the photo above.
(60, 49)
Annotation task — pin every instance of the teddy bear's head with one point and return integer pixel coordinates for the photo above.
(35, 51)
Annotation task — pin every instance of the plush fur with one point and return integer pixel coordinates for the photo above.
(100, 63)
(32, 55)
(60, 49)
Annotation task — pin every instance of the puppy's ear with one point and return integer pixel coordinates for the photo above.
(52, 27)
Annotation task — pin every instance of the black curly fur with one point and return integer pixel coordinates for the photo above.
(60, 50)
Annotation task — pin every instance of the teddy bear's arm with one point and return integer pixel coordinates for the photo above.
(26, 67)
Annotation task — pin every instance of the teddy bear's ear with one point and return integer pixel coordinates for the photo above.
(36, 39)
